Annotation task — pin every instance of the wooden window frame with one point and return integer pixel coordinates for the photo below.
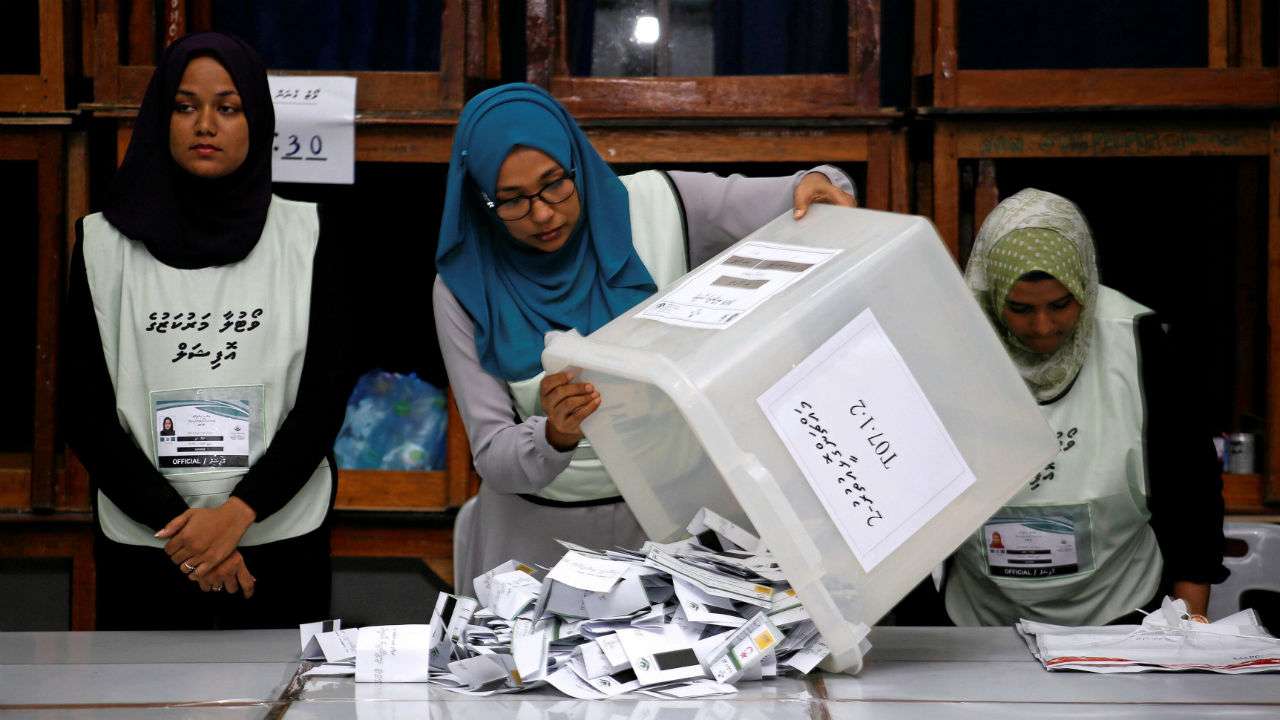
(959, 139)
(852, 94)
(881, 146)
(389, 95)
(46, 91)
(1234, 77)
(30, 481)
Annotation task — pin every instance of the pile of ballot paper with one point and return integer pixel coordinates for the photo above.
(1166, 640)
(683, 619)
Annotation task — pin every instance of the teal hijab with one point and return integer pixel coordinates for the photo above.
(515, 294)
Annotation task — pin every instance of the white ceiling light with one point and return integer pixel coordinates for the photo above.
(646, 30)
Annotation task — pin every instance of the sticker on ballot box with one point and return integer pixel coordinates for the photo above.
(867, 439)
(722, 293)
(206, 429)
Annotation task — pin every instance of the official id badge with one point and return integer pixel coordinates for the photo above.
(1038, 542)
(206, 429)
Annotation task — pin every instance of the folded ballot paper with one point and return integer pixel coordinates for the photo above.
(674, 620)
(1166, 640)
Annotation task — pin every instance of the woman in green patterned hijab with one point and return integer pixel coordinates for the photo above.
(1033, 271)
(1130, 510)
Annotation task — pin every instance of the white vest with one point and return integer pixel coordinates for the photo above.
(657, 231)
(223, 344)
(1075, 546)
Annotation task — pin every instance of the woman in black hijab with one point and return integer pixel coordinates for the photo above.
(199, 297)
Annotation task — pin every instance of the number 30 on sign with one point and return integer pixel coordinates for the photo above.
(315, 129)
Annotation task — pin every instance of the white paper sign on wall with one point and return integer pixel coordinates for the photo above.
(315, 129)
(867, 439)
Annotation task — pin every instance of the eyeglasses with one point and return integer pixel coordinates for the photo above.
(518, 207)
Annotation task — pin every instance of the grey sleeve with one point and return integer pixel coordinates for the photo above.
(511, 457)
(720, 211)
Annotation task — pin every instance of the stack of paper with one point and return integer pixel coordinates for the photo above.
(1166, 640)
(679, 620)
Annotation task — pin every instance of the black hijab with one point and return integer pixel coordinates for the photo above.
(184, 220)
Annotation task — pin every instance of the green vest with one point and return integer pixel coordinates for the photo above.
(657, 231)
(1075, 546)
(205, 364)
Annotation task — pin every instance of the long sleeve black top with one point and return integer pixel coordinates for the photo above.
(1185, 495)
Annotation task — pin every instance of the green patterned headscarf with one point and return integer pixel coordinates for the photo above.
(1028, 250)
(1037, 231)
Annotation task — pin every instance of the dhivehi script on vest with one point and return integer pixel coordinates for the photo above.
(867, 439)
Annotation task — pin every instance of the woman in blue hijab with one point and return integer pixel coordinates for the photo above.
(539, 234)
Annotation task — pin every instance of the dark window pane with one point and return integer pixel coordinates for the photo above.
(18, 297)
(337, 34)
(627, 38)
(35, 594)
(1270, 10)
(387, 252)
(1005, 35)
(20, 38)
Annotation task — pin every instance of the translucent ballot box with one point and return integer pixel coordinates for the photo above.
(832, 384)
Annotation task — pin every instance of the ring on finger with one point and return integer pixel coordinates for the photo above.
(188, 566)
(217, 588)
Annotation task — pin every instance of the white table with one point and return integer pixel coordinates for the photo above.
(932, 673)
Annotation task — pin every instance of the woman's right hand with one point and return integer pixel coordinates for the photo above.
(230, 575)
(566, 404)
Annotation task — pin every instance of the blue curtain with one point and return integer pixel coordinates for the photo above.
(337, 34)
(1005, 35)
(582, 27)
(781, 37)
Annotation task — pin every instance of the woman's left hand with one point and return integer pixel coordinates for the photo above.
(817, 188)
(203, 537)
(566, 404)
(231, 575)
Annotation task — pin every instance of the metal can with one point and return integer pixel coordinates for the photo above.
(1241, 453)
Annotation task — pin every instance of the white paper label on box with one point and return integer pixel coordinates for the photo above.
(721, 294)
(315, 129)
(866, 438)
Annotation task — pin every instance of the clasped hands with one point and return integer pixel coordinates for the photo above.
(203, 541)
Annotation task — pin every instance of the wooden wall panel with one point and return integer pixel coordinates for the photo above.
(1115, 88)
(729, 144)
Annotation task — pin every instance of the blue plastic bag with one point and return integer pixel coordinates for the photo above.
(394, 422)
